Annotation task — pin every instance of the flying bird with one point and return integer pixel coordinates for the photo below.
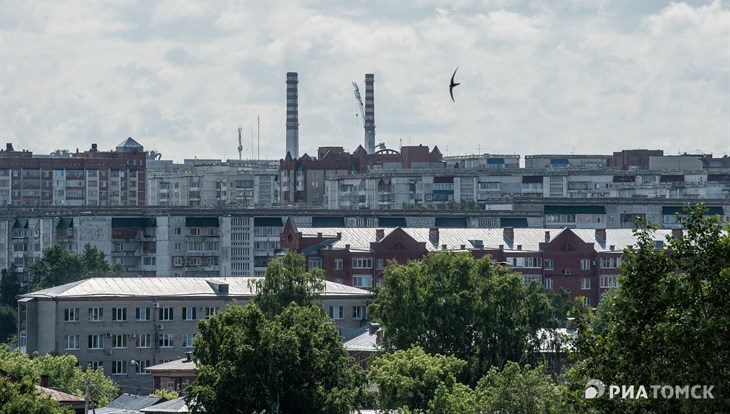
(451, 87)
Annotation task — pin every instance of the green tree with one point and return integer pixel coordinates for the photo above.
(23, 398)
(9, 287)
(293, 362)
(409, 378)
(452, 304)
(285, 281)
(666, 324)
(58, 266)
(8, 322)
(62, 370)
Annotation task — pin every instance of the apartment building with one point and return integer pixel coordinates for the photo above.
(93, 177)
(214, 183)
(128, 324)
(583, 261)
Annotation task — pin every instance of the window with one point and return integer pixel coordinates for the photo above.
(380, 264)
(96, 342)
(72, 341)
(119, 341)
(338, 264)
(194, 231)
(141, 367)
(143, 341)
(586, 301)
(608, 281)
(166, 340)
(362, 263)
(210, 310)
(177, 261)
(119, 367)
(365, 281)
(188, 340)
(142, 314)
(566, 271)
(189, 314)
(177, 230)
(585, 283)
(315, 262)
(96, 365)
(119, 314)
(585, 264)
(549, 283)
(549, 264)
(96, 314)
(359, 312)
(71, 315)
(610, 262)
(166, 314)
(336, 312)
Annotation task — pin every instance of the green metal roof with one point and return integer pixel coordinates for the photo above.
(575, 210)
(453, 222)
(268, 222)
(711, 211)
(520, 222)
(392, 222)
(65, 223)
(21, 224)
(201, 222)
(328, 221)
(139, 222)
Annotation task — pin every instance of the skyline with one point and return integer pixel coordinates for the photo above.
(181, 77)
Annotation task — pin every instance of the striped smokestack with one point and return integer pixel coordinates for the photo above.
(292, 114)
(369, 113)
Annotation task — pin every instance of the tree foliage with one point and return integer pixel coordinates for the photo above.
(293, 362)
(666, 324)
(23, 398)
(63, 371)
(58, 266)
(8, 323)
(409, 378)
(453, 304)
(285, 281)
(9, 287)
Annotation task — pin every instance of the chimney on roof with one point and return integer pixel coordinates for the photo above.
(347, 247)
(519, 247)
(319, 235)
(612, 247)
(189, 356)
(9, 147)
(94, 148)
(443, 247)
(463, 247)
(677, 233)
(433, 235)
(601, 234)
(339, 235)
(44, 381)
(374, 327)
(508, 233)
(379, 234)
(501, 247)
(547, 236)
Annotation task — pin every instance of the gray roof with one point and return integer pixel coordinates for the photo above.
(173, 406)
(176, 365)
(128, 404)
(363, 342)
(529, 239)
(170, 287)
(129, 145)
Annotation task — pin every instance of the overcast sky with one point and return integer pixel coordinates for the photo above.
(537, 77)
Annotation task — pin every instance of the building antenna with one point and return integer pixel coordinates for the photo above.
(240, 146)
(258, 138)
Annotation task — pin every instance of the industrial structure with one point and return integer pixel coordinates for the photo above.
(367, 111)
(292, 114)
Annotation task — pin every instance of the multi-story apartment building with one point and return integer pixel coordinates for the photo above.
(213, 183)
(482, 161)
(583, 261)
(128, 324)
(93, 177)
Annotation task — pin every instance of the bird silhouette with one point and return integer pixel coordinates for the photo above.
(451, 87)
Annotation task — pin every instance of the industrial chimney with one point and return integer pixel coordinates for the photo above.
(369, 113)
(292, 114)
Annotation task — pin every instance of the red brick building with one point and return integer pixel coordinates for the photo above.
(583, 261)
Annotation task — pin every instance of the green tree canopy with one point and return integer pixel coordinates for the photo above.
(285, 281)
(58, 266)
(63, 371)
(8, 323)
(23, 398)
(9, 287)
(291, 363)
(453, 304)
(667, 323)
(409, 378)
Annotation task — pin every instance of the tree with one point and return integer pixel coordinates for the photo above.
(666, 324)
(285, 281)
(62, 370)
(515, 389)
(8, 322)
(452, 304)
(292, 362)
(58, 266)
(409, 378)
(23, 398)
(9, 287)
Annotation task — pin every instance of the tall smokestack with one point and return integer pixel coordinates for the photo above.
(292, 114)
(369, 113)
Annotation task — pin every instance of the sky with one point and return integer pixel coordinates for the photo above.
(536, 77)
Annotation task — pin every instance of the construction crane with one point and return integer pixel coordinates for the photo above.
(369, 134)
(240, 146)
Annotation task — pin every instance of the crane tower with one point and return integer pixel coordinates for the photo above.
(367, 112)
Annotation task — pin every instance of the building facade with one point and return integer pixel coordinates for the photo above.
(128, 324)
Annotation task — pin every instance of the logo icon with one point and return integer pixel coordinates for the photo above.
(594, 389)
